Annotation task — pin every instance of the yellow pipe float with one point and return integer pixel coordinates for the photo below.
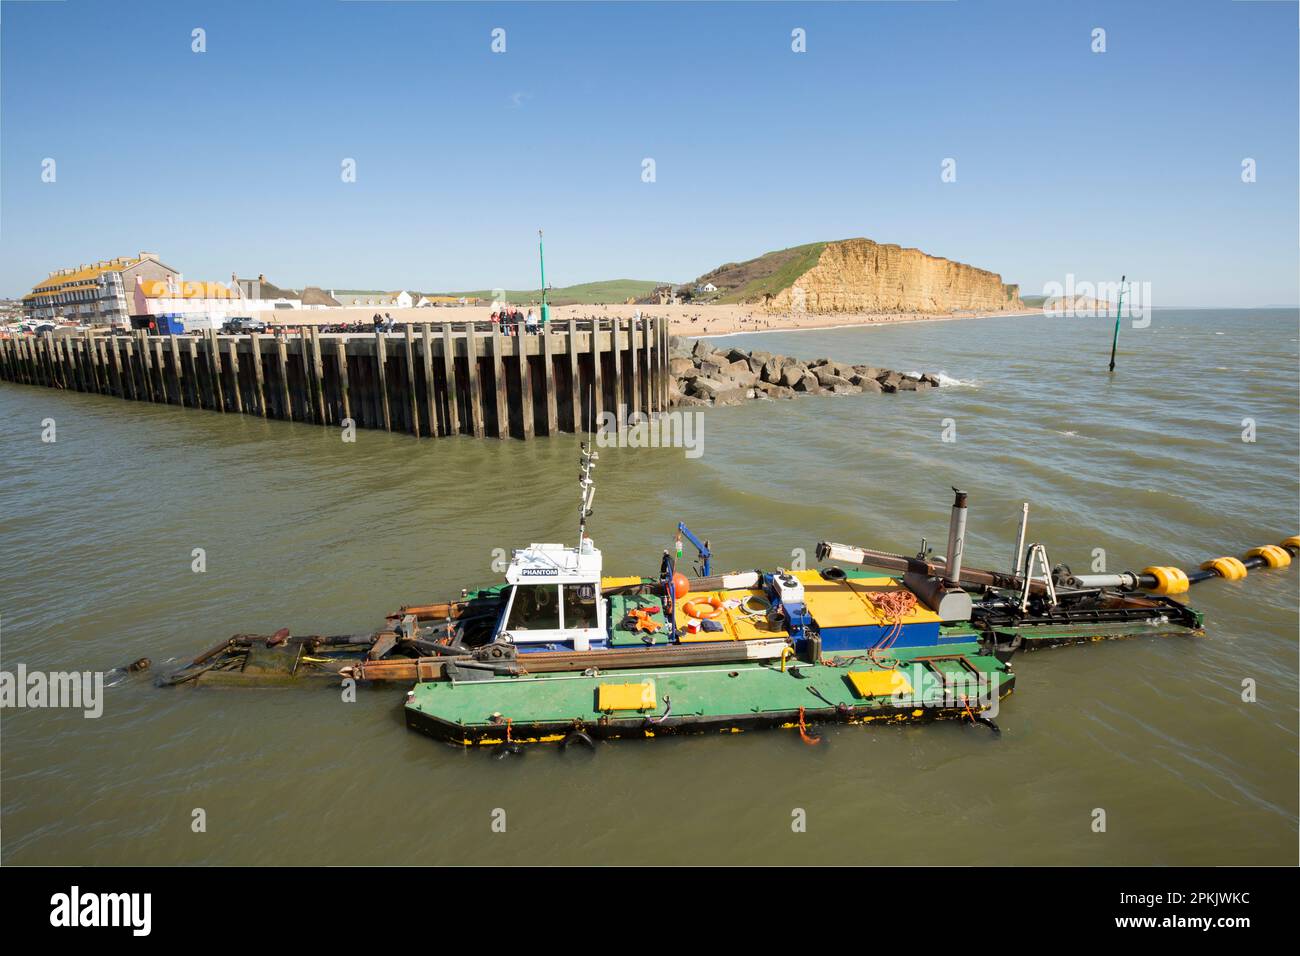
(1168, 580)
(1228, 568)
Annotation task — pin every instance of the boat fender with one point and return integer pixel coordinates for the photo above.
(1292, 544)
(578, 737)
(1228, 568)
(1273, 555)
(1168, 580)
(989, 723)
(1004, 650)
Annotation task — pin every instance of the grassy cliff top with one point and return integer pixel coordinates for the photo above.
(765, 275)
(612, 291)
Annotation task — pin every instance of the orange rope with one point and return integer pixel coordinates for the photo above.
(892, 606)
(803, 731)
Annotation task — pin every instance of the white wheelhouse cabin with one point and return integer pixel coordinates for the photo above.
(555, 601)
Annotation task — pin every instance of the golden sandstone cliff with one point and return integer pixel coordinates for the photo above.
(858, 275)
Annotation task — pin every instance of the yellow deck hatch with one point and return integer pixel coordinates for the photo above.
(639, 696)
(607, 583)
(879, 683)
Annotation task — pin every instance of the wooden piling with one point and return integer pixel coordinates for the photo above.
(453, 386)
(282, 366)
(431, 411)
(575, 399)
(596, 405)
(412, 397)
(259, 382)
(381, 360)
(341, 361)
(548, 373)
(236, 389)
(620, 398)
(634, 363)
(499, 381)
(214, 346)
(198, 390)
(475, 394)
(647, 400)
(526, 387)
(318, 370)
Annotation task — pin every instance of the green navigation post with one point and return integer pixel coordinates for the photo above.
(541, 258)
(1119, 305)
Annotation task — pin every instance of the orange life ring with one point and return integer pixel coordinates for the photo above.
(695, 608)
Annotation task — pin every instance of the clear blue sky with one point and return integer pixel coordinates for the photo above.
(1067, 160)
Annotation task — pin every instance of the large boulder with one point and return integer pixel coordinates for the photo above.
(868, 385)
(771, 371)
(690, 401)
(772, 390)
(741, 374)
(807, 383)
(711, 369)
(844, 388)
(731, 396)
(701, 348)
(828, 379)
(708, 387)
(680, 365)
(791, 375)
(736, 355)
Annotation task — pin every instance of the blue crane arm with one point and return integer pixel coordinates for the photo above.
(700, 546)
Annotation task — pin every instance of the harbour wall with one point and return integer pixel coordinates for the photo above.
(427, 380)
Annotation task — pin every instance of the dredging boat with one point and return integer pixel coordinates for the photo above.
(559, 652)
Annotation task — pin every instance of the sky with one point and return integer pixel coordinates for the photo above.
(1067, 161)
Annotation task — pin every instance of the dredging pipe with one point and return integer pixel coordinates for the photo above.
(1159, 579)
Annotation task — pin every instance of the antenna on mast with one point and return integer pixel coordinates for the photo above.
(587, 490)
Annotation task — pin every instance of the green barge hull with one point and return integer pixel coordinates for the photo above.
(957, 682)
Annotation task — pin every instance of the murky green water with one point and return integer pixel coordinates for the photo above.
(301, 529)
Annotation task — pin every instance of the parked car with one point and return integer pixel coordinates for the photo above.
(240, 326)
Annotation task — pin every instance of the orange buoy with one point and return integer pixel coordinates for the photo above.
(681, 585)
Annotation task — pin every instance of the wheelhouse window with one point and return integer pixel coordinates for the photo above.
(579, 605)
(536, 607)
